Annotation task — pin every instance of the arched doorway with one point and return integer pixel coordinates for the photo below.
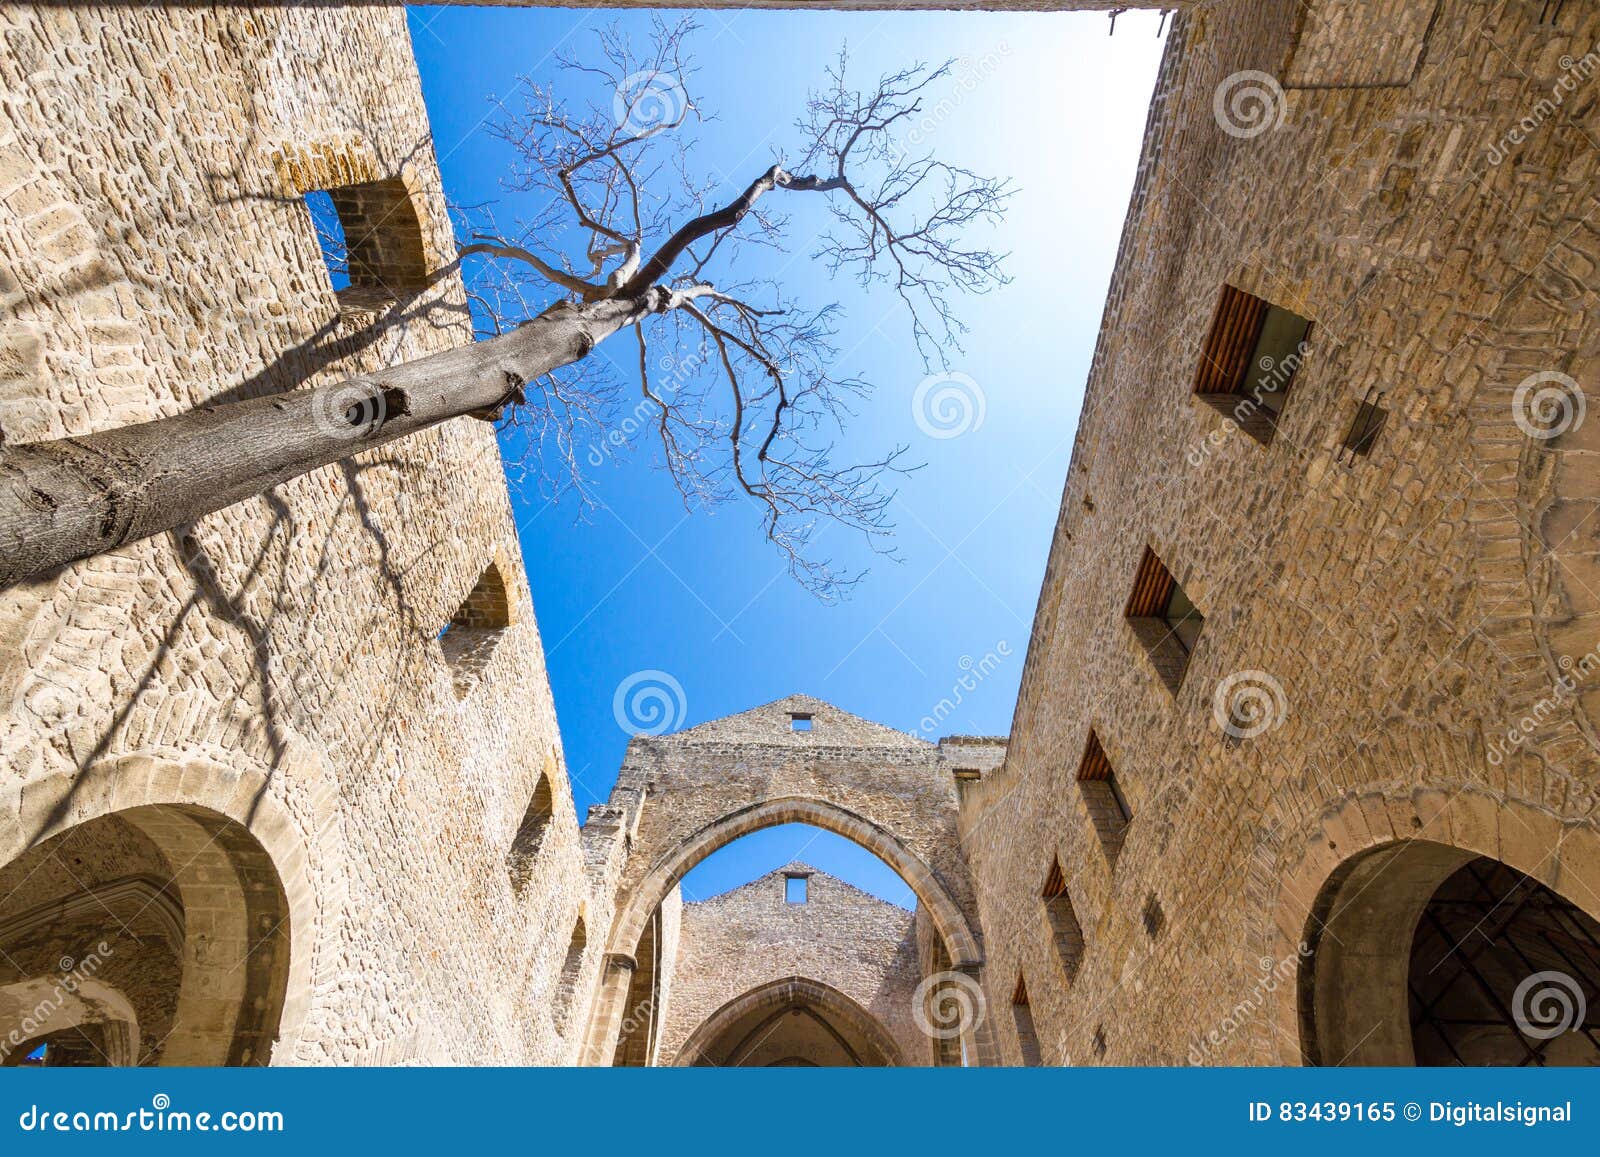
(791, 1022)
(628, 986)
(1423, 953)
(157, 934)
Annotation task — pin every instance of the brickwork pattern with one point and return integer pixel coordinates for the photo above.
(278, 662)
(1411, 605)
(751, 936)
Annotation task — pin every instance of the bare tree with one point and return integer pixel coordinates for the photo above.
(734, 377)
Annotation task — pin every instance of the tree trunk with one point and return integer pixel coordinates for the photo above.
(76, 497)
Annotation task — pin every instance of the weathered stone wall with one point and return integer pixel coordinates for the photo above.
(680, 797)
(278, 662)
(1412, 605)
(752, 936)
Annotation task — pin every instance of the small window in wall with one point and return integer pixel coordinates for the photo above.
(469, 639)
(1164, 620)
(800, 722)
(1364, 429)
(1249, 361)
(1022, 1017)
(795, 889)
(571, 967)
(1107, 809)
(371, 242)
(531, 832)
(1154, 918)
(1099, 1041)
(1065, 931)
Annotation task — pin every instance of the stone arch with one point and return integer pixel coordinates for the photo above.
(99, 1014)
(237, 898)
(947, 916)
(1412, 842)
(780, 998)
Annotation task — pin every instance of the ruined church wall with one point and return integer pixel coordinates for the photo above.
(1401, 611)
(277, 662)
(751, 936)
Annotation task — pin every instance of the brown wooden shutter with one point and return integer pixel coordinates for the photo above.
(1234, 332)
(1152, 587)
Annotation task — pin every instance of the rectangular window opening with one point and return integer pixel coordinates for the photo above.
(1022, 1017)
(1164, 620)
(1249, 361)
(371, 242)
(1108, 810)
(1364, 429)
(794, 889)
(799, 722)
(1065, 931)
(1154, 918)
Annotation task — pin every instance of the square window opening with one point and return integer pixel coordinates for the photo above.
(1164, 619)
(1108, 809)
(1249, 361)
(1364, 429)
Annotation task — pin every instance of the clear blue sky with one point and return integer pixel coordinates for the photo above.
(643, 585)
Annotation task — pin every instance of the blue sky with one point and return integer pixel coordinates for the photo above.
(642, 585)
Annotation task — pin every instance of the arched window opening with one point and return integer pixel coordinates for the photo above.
(828, 999)
(371, 242)
(1065, 931)
(469, 639)
(530, 835)
(571, 969)
(1022, 1019)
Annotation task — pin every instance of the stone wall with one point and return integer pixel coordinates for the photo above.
(1394, 612)
(752, 936)
(277, 663)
